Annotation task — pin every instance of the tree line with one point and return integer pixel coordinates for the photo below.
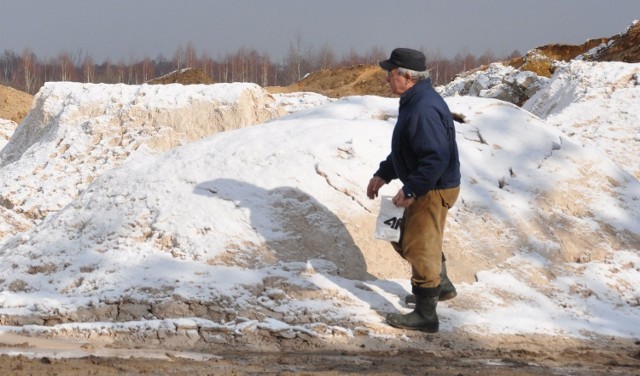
(27, 72)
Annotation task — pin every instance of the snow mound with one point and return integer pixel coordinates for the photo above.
(538, 189)
(75, 132)
(270, 224)
(214, 220)
(497, 81)
(596, 104)
(10, 222)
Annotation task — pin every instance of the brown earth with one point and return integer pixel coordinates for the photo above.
(189, 76)
(397, 353)
(623, 47)
(14, 104)
(541, 60)
(336, 83)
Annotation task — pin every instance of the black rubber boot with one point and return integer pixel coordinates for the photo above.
(447, 289)
(423, 317)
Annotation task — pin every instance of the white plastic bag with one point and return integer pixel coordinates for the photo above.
(389, 219)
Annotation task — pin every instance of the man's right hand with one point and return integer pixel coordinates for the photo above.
(374, 186)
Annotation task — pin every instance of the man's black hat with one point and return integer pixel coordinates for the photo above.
(405, 58)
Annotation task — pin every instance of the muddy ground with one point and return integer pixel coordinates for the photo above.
(397, 353)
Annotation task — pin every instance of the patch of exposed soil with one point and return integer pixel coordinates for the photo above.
(189, 76)
(336, 83)
(14, 104)
(623, 47)
(400, 353)
(541, 60)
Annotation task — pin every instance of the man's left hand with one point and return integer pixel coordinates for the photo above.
(401, 201)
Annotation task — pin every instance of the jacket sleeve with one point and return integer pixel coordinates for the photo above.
(386, 170)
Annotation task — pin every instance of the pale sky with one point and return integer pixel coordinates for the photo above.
(134, 29)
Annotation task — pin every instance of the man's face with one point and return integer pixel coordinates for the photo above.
(398, 83)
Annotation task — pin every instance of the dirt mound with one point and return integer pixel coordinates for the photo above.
(336, 83)
(188, 76)
(624, 47)
(14, 104)
(541, 60)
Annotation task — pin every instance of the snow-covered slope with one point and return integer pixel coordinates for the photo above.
(592, 103)
(269, 226)
(7, 127)
(597, 104)
(75, 132)
(497, 81)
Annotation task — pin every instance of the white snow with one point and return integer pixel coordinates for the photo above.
(271, 218)
(497, 81)
(596, 103)
(7, 127)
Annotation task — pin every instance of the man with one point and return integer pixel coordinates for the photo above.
(424, 156)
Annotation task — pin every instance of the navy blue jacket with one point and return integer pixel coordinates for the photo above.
(424, 152)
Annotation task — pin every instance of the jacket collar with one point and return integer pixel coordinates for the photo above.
(420, 86)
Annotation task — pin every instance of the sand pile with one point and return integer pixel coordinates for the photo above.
(14, 104)
(340, 82)
(187, 76)
(84, 129)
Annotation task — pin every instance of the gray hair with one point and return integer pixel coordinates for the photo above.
(416, 75)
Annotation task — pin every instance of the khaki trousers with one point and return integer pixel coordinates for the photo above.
(421, 234)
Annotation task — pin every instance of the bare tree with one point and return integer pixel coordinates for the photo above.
(66, 66)
(253, 62)
(207, 64)
(9, 65)
(376, 55)
(120, 70)
(106, 72)
(265, 68)
(325, 59)
(297, 59)
(190, 56)
(147, 69)
(88, 69)
(179, 57)
(26, 72)
(225, 69)
(28, 67)
(487, 58)
(465, 61)
(46, 67)
(353, 58)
